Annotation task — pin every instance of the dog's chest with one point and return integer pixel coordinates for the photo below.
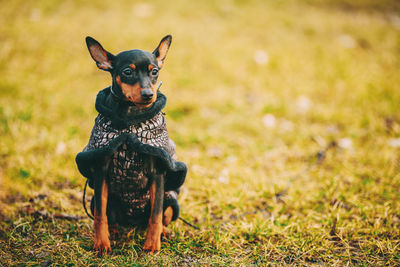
(127, 180)
(126, 172)
(126, 176)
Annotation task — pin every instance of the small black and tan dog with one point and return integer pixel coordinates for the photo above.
(130, 161)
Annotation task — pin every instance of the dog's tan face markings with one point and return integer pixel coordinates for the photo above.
(132, 93)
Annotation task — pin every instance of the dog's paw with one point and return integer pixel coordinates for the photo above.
(102, 247)
(102, 242)
(153, 239)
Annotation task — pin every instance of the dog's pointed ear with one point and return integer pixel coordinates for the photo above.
(162, 49)
(104, 59)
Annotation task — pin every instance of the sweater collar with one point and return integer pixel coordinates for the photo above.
(119, 121)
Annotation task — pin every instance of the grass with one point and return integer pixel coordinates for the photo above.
(255, 89)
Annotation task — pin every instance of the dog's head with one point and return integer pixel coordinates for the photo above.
(134, 72)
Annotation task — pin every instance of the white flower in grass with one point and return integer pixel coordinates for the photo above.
(345, 143)
(224, 177)
(269, 121)
(303, 103)
(61, 147)
(346, 41)
(394, 142)
(261, 57)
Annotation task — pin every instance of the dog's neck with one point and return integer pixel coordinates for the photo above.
(123, 114)
(122, 107)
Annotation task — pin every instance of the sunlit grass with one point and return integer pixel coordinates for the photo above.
(255, 89)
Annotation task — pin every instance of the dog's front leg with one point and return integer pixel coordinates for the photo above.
(155, 229)
(101, 233)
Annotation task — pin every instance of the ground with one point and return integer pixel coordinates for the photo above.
(286, 113)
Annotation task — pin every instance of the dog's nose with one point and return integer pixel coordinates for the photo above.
(146, 94)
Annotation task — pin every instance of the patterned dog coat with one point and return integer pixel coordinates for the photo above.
(127, 141)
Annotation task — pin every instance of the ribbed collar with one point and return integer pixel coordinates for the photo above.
(126, 121)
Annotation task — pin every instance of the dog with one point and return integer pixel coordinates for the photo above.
(130, 162)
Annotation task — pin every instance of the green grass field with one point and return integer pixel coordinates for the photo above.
(255, 90)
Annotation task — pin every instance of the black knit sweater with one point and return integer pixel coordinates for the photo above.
(126, 140)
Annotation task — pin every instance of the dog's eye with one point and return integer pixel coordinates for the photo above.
(154, 72)
(127, 71)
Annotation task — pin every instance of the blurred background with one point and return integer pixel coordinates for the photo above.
(255, 89)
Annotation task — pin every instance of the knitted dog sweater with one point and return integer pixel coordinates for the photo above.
(126, 141)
